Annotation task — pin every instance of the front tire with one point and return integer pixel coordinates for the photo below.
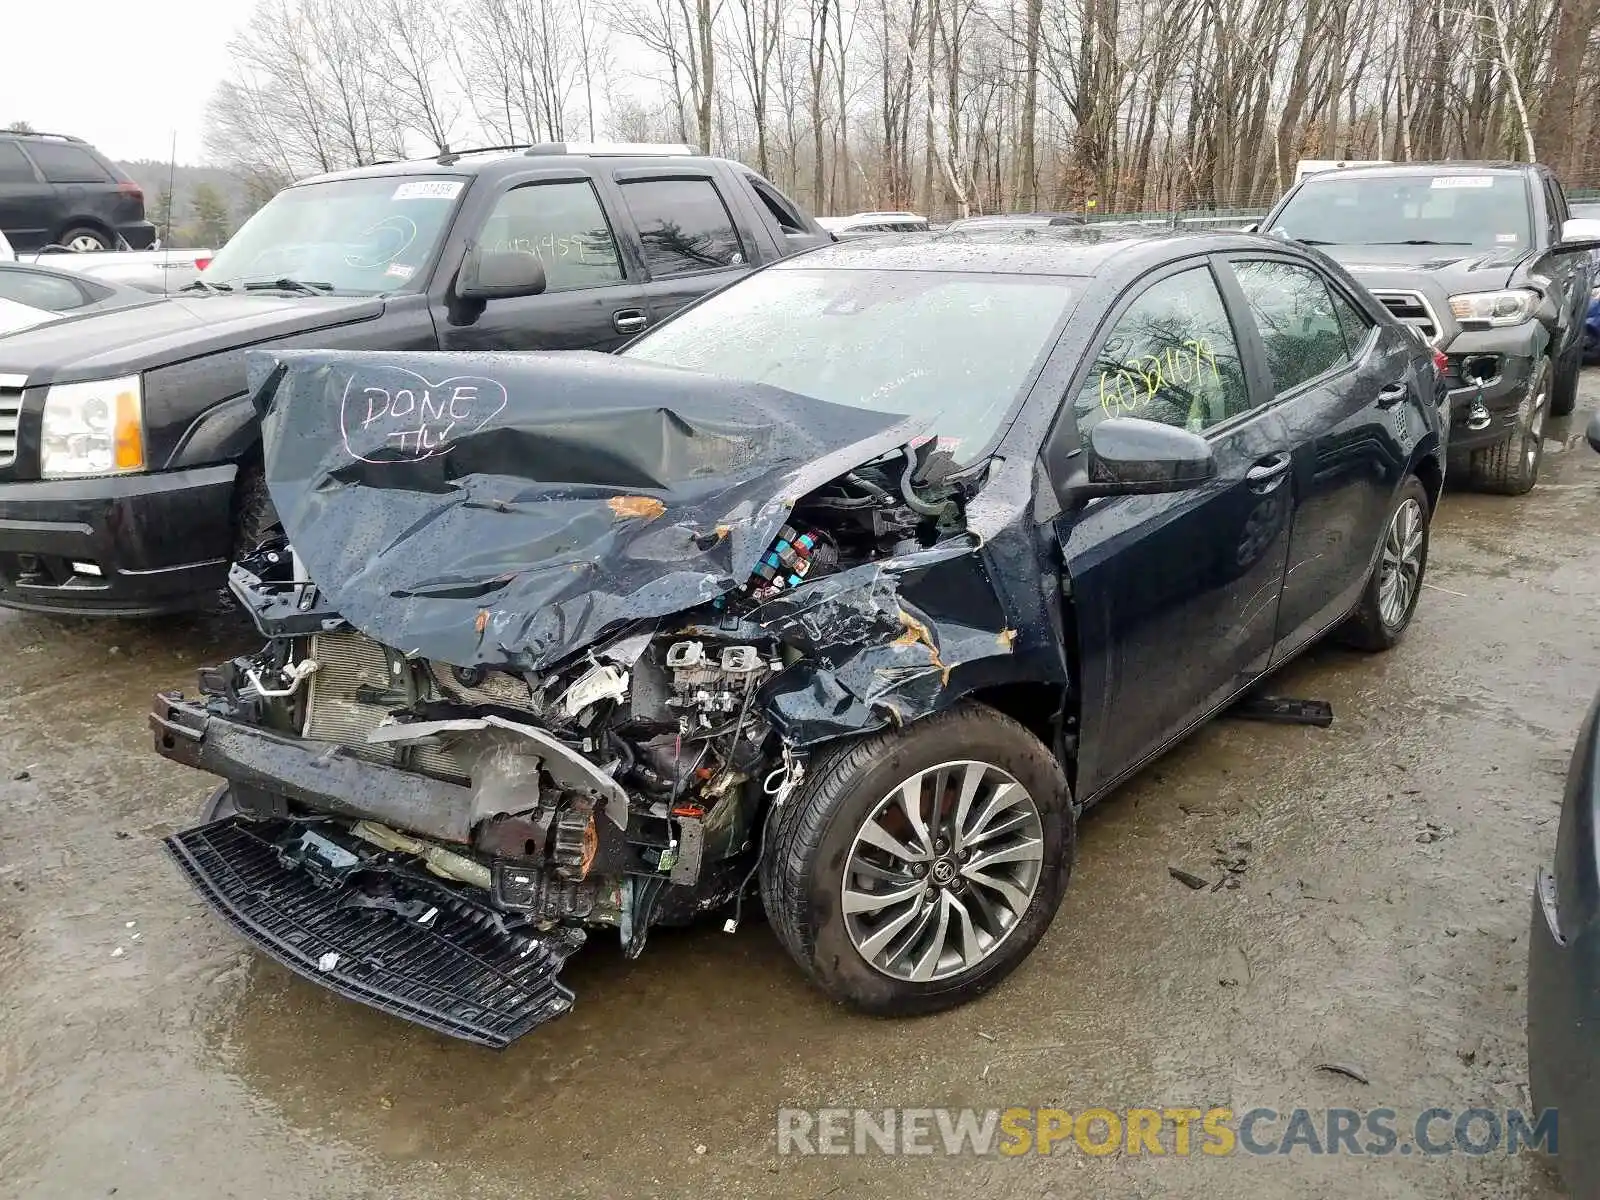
(914, 869)
(1511, 467)
(1390, 598)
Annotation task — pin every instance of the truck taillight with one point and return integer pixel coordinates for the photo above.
(200, 264)
(1441, 364)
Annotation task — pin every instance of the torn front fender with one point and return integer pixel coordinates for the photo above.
(511, 509)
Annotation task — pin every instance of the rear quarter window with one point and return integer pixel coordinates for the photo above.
(63, 163)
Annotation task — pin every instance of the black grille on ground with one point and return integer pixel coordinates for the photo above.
(465, 975)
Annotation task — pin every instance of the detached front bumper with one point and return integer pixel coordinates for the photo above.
(127, 545)
(395, 941)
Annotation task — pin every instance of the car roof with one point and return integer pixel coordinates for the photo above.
(1066, 250)
(1412, 169)
(506, 160)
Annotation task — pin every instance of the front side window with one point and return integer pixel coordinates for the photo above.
(1171, 357)
(351, 236)
(14, 165)
(565, 226)
(954, 348)
(1294, 315)
(62, 163)
(684, 225)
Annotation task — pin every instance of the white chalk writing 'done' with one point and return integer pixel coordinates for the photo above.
(395, 415)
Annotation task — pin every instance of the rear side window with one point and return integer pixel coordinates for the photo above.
(38, 290)
(684, 225)
(778, 205)
(1294, 314)
(1355, 323)
(564, 225)
(14, 165)
(62, 163)
(1172, 357)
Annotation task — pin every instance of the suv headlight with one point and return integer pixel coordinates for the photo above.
(1511, 307)
(92, 428)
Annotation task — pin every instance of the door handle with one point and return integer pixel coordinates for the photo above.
(1391, 394)
(1268, 473)
(629, 320)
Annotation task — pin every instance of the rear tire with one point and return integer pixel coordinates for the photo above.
(1511, 467)
(1390, 597)
(84, 239)
(828, 842)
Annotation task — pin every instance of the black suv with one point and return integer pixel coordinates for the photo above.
(57, 190)
(130, 457)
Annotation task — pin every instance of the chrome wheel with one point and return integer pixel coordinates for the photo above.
(85, 244)
(1401, 566)
(942, 870)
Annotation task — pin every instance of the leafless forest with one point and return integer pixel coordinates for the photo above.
(946, 106)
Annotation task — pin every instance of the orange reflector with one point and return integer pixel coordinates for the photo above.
(130, 433)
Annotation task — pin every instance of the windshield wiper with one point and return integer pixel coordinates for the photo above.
(1417, 242)
(1315, 242)
(286, 284)
(205, 285)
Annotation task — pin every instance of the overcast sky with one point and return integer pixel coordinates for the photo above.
(124, 76)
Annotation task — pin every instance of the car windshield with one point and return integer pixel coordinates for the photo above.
(349, 236)
(1486, 211)
(954, 348)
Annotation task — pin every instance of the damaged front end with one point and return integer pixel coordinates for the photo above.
(541, 664)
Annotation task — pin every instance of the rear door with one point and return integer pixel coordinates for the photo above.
(690, 241)
(1175, 597)
(28, 209)
(593, 299)
(1344, 385)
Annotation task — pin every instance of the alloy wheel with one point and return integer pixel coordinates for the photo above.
(942, 870)
(84, 244)
(1401, 567)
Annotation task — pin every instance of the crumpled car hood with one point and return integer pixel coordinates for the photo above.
(512, 510)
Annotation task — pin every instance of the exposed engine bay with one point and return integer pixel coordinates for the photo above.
(616, 775)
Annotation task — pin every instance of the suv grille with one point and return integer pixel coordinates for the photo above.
(1409, 308)
(10, 416)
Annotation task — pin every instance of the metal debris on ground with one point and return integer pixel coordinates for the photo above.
(1188, 878)
(1345, 1069)
(1283, 710)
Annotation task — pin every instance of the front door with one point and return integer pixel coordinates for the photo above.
(1346, 388)
(1175, 597)
(589, 302)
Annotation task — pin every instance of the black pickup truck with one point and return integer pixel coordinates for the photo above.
(130, 457)
(1474, 256)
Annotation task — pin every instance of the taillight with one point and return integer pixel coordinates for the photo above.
(200, 264)
(1441, 364)
(132, 190)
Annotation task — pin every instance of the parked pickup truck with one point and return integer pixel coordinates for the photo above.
(133, 473)
(1475, 256)
(160, 270)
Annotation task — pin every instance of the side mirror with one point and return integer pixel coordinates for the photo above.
(499, 275)
(1578, 235)
(1592, 434)
(1129, 456)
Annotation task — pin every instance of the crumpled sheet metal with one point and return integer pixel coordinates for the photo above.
(510, 510)
(882, 641)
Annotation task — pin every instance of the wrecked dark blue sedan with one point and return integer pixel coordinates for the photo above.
(857, 580)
